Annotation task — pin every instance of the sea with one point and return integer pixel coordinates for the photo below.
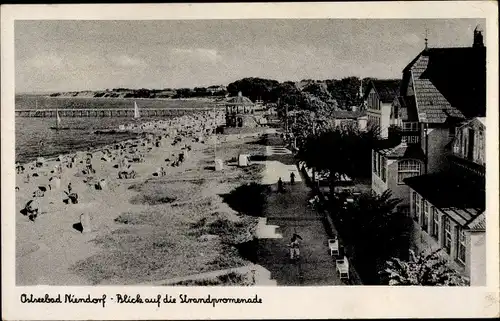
(34, 138)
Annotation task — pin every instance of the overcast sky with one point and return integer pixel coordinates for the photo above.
(78, 55)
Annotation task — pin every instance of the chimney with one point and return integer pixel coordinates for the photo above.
(478, 38)
(426, 39)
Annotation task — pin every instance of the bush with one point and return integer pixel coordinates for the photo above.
(424, 269)
(232, 232)
(157, 192)
(247, 199)
(154, 199)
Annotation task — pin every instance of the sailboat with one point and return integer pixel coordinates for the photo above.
(58, 123)
(136, 111)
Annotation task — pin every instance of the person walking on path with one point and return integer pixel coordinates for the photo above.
(292, 178)
(280, 186)
(294, 246)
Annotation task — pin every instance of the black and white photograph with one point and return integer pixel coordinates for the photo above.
(305, 152)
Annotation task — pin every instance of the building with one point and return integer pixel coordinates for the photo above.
(237, 111)
(216, 89)
(434, 156)
(448, 207)
(379, 96)
(438, 91)
(350, 119)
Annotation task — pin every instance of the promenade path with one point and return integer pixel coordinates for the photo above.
(290, 213)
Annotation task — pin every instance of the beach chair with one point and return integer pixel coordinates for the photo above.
(333, 245)
(343, 268)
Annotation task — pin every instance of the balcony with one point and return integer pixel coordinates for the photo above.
(410, 138)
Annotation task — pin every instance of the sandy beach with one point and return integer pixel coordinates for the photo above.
(164, 218)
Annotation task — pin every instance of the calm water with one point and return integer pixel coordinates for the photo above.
(35, 138)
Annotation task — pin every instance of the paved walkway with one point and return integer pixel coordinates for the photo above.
(289, 212)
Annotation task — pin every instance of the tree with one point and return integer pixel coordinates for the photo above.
(288, 96)
(200, 92)
(320, 91)
(424, 269)
(183, 93)
(345, 91)
(348, 149)
(255, 88)
(375, 230)
(374, 217)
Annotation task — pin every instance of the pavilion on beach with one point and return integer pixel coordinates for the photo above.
(236, 109)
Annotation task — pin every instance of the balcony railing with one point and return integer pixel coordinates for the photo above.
(410, 139)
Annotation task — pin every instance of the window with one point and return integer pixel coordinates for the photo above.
(417, 209)
(379, 159)
(410, 126)
(447, 234)
(461, 245)
(408, 168)
(435, 223)
(470, 147)
(425, 217)
(373, 101)
(414, 205)
(480, 148)
(462, 143)
(374, 161)
(383, 165)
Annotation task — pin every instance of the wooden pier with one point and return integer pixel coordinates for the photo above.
(108, 112)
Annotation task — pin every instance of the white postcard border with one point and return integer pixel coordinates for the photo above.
(278, 302)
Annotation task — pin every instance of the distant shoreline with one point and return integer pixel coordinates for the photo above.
(127, 98)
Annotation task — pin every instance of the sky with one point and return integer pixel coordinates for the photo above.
(71, 55)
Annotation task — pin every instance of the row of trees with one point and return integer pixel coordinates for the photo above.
(305, 95)
(198, 92)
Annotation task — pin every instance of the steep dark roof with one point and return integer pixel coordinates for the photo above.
(239, 100)
(387, 89)
(460, 199)
(449, 82)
